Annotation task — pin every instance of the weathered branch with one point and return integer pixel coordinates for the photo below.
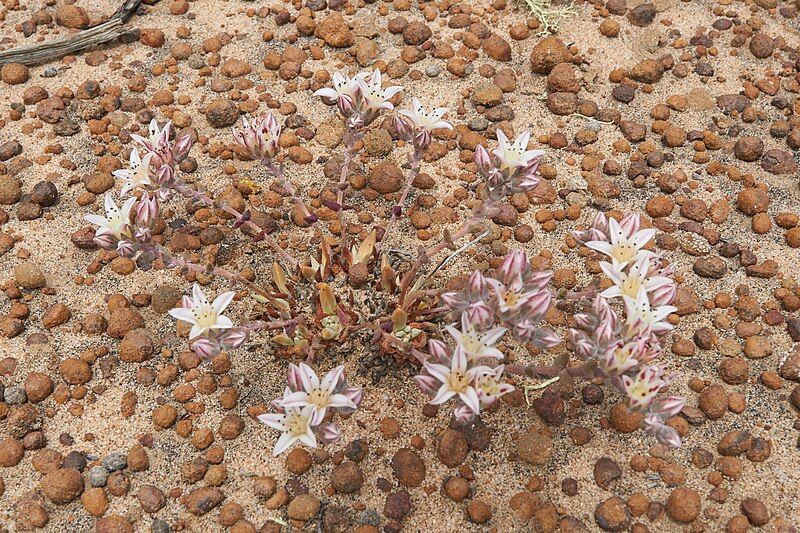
(61, 46)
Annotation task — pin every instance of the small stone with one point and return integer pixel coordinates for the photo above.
(63, 485)
(487, 94)
(38, 387)
(734, 443)
(606, 472)
(203, 500)
(623, 420)
(113, 524)
(29, 276)
(647, 71)
(479, 511)
(304, 507)
(497, 48)
(456, 488)
(408, 467)
(386, 178)
(95, 501)
(762, 45)
(115, 461)
(398, 505)
(14, 74)
(683, 505)
(97, 476)
(11, 452)
(334, 31)
(642, 15)
(75, 371)
(548, 53)
(451, 447)
(222, 113)
(713, 401)
(347, 477)
(778, 162)
(710, 267)
(748, 148)
(151, 498)
(298, 461)
(71, 16)
(55, 315)
(613, 515)
(534, 447)
(755, 511)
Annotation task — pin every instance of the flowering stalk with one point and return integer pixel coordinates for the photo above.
(416, 128)
(515, 296)
(360, 100)
(259, 139)
(306, 400)
(620, 348)
(508, 169)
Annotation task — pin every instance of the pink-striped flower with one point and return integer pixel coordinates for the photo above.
(623, 243)
(296, 424)
(305, 388)
(488, 382)
(637, 276)
(472, 302)
(476, 344)
(641, 317)
(666, 435)
(259, 137)
(455, 381)
(204, 316)
(643, 389)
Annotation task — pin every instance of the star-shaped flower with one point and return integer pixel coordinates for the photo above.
(305, 389)
(623, 245)
(138, 174)
(516, 154)
(117, 220)
(374, 95)
(637, 277)
(295, 424)
(202, 315)
(424, 120)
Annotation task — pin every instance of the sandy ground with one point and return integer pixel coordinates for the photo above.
(768, 414)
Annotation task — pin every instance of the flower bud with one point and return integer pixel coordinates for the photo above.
(147, 210)
(106, 241)
(329, 433)
(125, 248)
(182, 146)
(463, 414)
(205, 348)
(482, 159)
(428, 384)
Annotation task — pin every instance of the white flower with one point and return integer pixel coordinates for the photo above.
(315, 393)
(489, 384)
(138, 175)
(343, 87)
(623, 245)
(628, 283)
(476, 344)
(644, 388)
(374, 95)
(517, 154)
(117, 220)
(259, 137)
(456, 380)
(641, 317)
(296, 424)
(158, 137)
(423, 120)
(202, 315)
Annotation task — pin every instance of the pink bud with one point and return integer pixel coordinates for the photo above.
(107, 241)
(187, 302)
(663, 295)
(345, 105)
(401, 127)
(438, 350)
(164, 175)
(205, 348)
(428, 384)
(182, 146)
(295, 378)
(329, 433)
(512, 267)
(355, 394)
(631, 223)
(126, 248)
(476, 286)
(422, 140)
(234, 338)
(479, 315)
(147, 210)
(482, 159)
(463, 414)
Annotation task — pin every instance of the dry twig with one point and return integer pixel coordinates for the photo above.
(102, 33)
